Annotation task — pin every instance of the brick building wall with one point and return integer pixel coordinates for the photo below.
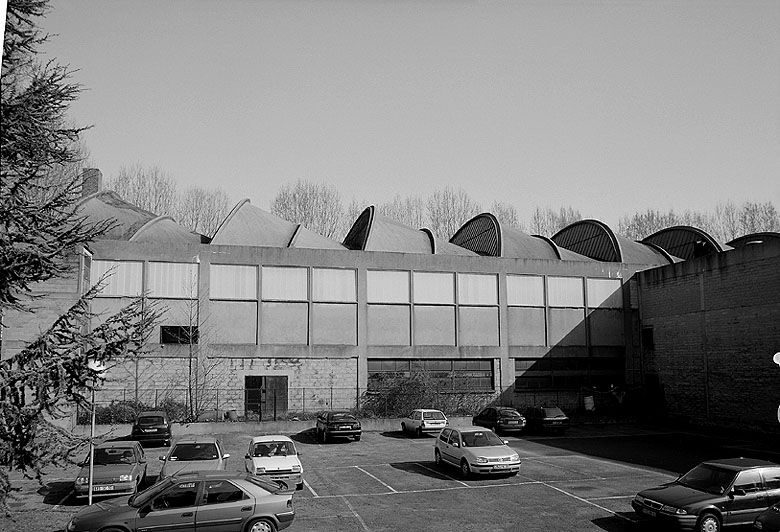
(715, 324)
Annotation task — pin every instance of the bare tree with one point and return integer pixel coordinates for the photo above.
(409, 210)
(506, 214)
(547, 222)
(726, 221)
(756, 217)
(316, 206)
(147, 187)
(449, 209)
(201, 209)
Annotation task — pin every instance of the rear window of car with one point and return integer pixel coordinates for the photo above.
(553, 412)
(433, 415)
(341, 415)
(151, 420)
(509, 413)
(194, 451)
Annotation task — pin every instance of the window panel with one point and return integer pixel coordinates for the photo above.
(285, 284)
(125, 277)
(330, 284)
(173, 279)
(434, 288)
(233, 282)
(565, 292)
(387, 286)
(477, 289)
(605, 293)
(525, 290)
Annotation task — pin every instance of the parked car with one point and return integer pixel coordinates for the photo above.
(227, 502)
(475, 450)
(202, 454)
(275, 458)
(546, 418)
(712, 495)
(500, 419)
(768, 520)
(337, 424)
(424, 421)
(153, 426)
(119, 468)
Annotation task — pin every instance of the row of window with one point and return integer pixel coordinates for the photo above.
(444, 375)
(283, 283)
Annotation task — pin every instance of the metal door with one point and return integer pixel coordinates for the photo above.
(265, 396)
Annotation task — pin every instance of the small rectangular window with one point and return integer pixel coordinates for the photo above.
(565, 292)
(648, 340)
(178, 334)
(525, 290)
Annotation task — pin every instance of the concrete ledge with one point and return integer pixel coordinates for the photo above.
(265, 427)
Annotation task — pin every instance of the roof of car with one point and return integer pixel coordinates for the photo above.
(118, 443)
(152, 413)
(210, 474)
(202, 439)
(471, 429)
(426, 410)
(738, 464)
(270, 437)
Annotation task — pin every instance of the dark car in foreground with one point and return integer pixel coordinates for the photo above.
(118, 468)
(224, 502)
(337, 424)
(153, 426)
(546, 419)
(500, 419)
(712, 495)
(768, 520)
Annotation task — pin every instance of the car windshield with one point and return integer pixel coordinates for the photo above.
(433, 415)
(142, 497)
(151, 420)
(112, 455)
(342, 416)
(194, 451)
(273, 448)
(480, 439)
(508, 412)
(708, 478)
(554, 412)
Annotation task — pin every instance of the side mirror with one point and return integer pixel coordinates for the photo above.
(506, 442)
(455, 444)
(142, 460)
(225, 456)
(247, 457)
(143, 512)
(162, 458)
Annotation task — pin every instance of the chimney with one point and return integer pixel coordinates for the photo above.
(92, 181)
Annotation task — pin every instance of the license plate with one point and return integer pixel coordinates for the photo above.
(149, 430)
(511, 422)
(345, 427)
(102, 488)
(650, 513)
(557, 422)
(501, 466)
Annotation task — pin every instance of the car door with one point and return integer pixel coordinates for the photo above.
(451, 449)
(771, 484)
(173, 510)
(416, 419)
(224, 507)
(747, 498)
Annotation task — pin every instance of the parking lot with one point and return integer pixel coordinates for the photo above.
(581, 481)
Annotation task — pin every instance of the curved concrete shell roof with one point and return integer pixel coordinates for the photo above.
(133, 223)
(684, 241)
(596, 240)
(247, 225)
(486, 236)
(755, 238)
(375, 232)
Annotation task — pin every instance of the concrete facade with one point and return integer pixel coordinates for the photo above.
(710, 328)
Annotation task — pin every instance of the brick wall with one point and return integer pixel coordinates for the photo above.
(716, 325)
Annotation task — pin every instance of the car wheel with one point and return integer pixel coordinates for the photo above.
(419, 432)
(299, 487)
(437, 457)
(465, 470)
(708, 522)
(261, 525)
(403, 427)
(357, 438)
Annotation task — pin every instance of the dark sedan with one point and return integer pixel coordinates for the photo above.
(768, 520)
(546, 418)
(500, 419)
(337, 424)
(712, 495)
(152, 426)
(217, 502)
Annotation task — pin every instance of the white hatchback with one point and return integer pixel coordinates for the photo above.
(275, 458)
(476, 451)
(424, 421)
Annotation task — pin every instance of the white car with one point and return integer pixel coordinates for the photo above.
(275, 458)
(424, 421)
(204, 453)
(475, 450)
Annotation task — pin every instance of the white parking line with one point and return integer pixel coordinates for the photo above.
(445, 475)
(586, 501)
(308, 486)
(375, 478)
(357, 516)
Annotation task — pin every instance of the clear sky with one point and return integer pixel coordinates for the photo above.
(610, 107)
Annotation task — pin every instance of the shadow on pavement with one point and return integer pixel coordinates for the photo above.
(60, 492)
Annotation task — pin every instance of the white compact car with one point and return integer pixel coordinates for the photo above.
(424, 421)
(275, 458)
(476, 451)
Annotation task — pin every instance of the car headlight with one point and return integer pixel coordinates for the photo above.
(515, 457)
(82, 480)
(481, 460)
(296, 469)
(71, 525)
(758, 525)
(673, 510)
(639, 499)
(125, 478)
(259, 470)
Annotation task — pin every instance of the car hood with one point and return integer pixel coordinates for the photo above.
(171, 468)
(107, 472)
(276, 463)
(677, 495)
(100, 510)
(494, 451)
